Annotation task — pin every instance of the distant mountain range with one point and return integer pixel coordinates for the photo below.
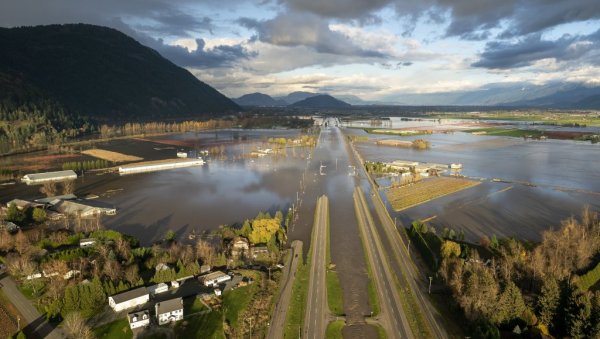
(552, 95)
(100, 73)
(320, 101)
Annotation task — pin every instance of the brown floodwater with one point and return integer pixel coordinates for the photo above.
(548, 181)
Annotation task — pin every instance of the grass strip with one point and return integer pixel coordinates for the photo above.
(334, 290)
(334, 329)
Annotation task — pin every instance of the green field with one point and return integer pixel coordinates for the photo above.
(334, 329)
(295, 316)
(208, 326)
(425, 190)
(116, 330)
(334, 290)
(509, 132)
(236, 301)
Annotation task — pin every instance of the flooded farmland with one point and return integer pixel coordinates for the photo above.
(527, 185)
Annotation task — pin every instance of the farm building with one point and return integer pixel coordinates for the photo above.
(169, 311)
(159, 165)
(138, 319)
(82, 208)
(22, 204)
(37, 178)
(129, 299)
(157, 289)
(49, 200)
(214, 278)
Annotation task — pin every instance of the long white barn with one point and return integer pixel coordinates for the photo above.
(36, 178)
(158, 165)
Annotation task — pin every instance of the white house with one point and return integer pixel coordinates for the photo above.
(169, 311)
(138, 319)
(129, 299)
(157, 289)
(214, 278)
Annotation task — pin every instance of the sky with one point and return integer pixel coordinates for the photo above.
(373, 49)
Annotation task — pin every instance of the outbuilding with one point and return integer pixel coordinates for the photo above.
(87, 242)
(158, 288)
(37, 178)
(129, 299)
(214, 278)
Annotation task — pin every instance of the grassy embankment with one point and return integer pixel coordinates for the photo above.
(425, 190)
(508, 132)
(334, 290)
(334, 329)
(8, 317)
(372, 289)
(110, 155)
(537, 116)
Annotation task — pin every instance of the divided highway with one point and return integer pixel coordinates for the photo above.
(316, 317)
(392, 317)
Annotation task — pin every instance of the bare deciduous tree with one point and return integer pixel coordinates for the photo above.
(76, 326)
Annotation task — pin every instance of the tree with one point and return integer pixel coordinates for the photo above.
(510, 304)
(22, 244)
(205, 252)
(170, 236)
(132, 274)
(49, 189)
(548, 301)
(14, 214)
(578, 313)
(68, 187)
(6, 241)
(39, 215)
(76, 326)
(263, 230)
(450, 249)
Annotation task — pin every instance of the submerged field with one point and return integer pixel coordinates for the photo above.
(425, 190)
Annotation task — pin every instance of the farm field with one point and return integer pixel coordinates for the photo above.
(428, 189)
(110, 155)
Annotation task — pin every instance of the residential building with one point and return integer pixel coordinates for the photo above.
(169, 311)
(239, 247)
(37, 178)
(129, 299)
(259, 251)
(214, 278)
(138, 319)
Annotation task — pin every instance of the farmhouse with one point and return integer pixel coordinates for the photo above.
(38, 178)
(239, 247)
(169, 311)
(259, 250)
(82, 208)
(214, 278)
(129, 299)
(138, 319)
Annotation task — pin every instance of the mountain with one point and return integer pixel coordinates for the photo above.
(321, 101)
(98, 73)
(294, 97)
(554, 94)
(259, 99)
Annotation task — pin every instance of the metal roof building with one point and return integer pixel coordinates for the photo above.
(36, 178)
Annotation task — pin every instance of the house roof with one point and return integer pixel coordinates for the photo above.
(139, 315)
(87, 240)
(129, 295)
(50, 175)
(78, 206)
(19, 203)
(213, 275)
(58, 197)
(169, 306)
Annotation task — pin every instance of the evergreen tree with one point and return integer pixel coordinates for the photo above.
(548, 301)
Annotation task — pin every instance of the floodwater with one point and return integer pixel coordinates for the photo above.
(228, 189)
(549, 181)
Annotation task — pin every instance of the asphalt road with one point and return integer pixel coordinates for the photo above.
(391, 317)
(38, 326)
(401, 258)
(277, 324)
(317, 312)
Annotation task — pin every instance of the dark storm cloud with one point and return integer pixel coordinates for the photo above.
(294, 29)
(176, 23)
(202, 57)
(348, 9)
(503, 55)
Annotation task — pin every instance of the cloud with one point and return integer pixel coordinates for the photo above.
(343, 9)
(175, 23)
(295, 29)
(505, 55)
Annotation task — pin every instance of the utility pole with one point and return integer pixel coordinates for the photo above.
(409, 247)
(430, 278)
(18, 323)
